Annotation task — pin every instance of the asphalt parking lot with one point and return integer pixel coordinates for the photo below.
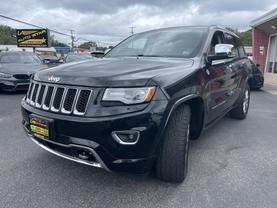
(233, 164)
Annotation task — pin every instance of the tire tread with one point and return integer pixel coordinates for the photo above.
(172, 162)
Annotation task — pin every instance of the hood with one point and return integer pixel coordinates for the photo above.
(21, 68)
(108, 72)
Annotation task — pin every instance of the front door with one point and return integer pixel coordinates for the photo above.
(222, 80)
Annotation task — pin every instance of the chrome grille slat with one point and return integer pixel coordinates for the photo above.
(48, 97)
(59, 99)
(78, 111)
(36, 99)
(75, 102)
(52, 98)
(40, 95)
(63, 110)
(44, 95)
(34, 94)
(56, 98)
(63, 98)
(29, 92)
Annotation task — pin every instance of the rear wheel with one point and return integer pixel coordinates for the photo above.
(240, 112)
(173, 157)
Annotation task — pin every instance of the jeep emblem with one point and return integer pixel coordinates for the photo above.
(53, 79)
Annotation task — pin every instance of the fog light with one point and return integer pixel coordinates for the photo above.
(128, 137)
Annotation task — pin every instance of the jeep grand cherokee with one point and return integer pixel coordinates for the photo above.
(138, 107)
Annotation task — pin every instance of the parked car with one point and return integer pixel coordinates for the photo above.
(139, 106)
(72, 57)
(50, 60)
(97, 54)
(256, 81)
(16, 68)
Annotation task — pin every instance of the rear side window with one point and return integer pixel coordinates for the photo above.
(241, 51)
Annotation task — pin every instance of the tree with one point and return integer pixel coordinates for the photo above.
(56, 43)
(7, 35)
(245, 37)
(88, 45)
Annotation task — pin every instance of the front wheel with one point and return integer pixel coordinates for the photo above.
(240, 112)
(173, 158)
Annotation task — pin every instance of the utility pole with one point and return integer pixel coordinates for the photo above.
(132, 30)
(72, 40)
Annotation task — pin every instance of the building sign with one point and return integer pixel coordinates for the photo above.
(261, 50)
(32, 37)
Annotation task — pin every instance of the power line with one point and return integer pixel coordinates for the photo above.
(71, 35)
(33, 25)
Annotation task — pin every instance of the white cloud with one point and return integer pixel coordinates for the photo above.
(109, 21)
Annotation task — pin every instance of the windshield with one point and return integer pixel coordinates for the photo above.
(19, 58)
(176, 42)
(78, 57)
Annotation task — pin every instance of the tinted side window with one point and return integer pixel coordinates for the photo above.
(230, 39)
(217, 39)
(241, 48)
(241, 51)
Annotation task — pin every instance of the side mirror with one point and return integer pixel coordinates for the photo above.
(225, 49)
(258, 65)
(222, 51)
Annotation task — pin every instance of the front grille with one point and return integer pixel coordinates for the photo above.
(22, 76)
(59, 99)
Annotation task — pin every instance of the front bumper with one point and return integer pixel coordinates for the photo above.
(14, 85)
(94, 136)
(48, 145)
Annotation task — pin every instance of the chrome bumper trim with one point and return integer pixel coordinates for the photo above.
(99, 163)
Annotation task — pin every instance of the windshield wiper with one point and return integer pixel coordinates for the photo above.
(143, 55)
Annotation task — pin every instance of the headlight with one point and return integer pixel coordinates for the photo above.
(129, 95)
(5, 76)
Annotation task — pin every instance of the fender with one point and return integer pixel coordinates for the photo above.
(171, 109)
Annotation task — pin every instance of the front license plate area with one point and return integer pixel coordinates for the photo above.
(41, 127)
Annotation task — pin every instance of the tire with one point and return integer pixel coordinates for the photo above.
(173, 156)
(241, 110)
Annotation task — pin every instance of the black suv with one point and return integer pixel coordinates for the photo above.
(138, 107)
